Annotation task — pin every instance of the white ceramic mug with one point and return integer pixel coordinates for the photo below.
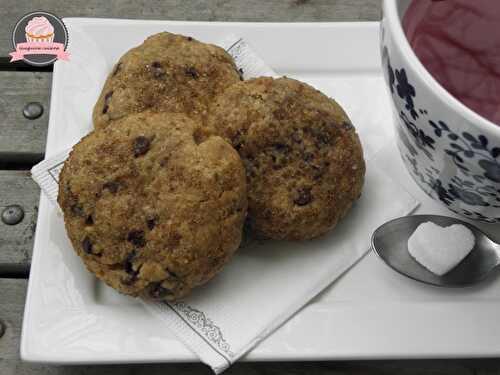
(451, 152)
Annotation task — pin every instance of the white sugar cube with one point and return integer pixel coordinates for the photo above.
(440, 249)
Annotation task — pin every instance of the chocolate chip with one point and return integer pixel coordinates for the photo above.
(107, 97)
(157, 69)
(151, 223)
(77, 209)
(189, 39)
(136, 237)
(280, 147)
(240, 73)
(174, 239)
(303, 197)
(198, 136)
(172, 273)
(87, 245)
(89, 220)
(318, 171)
(157, 291)
(128, 263)
(191, 71)
(321, 137)
(141, 145)
(112, 186)
(347, 125)
(308, 157)
(128, 280)
(117, 69)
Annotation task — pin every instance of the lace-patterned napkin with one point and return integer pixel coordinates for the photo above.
(266, 283)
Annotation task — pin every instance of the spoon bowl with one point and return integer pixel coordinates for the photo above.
(390, 243)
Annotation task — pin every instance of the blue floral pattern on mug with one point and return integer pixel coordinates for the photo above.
(476, 183)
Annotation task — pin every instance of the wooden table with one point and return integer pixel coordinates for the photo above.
(22, 144)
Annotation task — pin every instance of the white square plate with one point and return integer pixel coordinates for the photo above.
(371, 312)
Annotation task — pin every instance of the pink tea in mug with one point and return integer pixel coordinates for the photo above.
(458, 41)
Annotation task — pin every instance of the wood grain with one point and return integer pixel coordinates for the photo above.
(16, 241)
(12, 296)
(23, 140)
(201, 10)
(325, 368)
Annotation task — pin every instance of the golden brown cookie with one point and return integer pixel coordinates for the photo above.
(167, 73)
(303, 158)
(151, 207)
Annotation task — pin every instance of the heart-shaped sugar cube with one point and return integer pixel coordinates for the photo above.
(440, 249)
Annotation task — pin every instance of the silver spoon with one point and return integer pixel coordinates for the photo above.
(390, 243)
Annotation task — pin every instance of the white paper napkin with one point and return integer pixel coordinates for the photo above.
(265, 283)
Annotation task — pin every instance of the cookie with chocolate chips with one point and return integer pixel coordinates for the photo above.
(167, 73)
(303, 158)
(153, 206)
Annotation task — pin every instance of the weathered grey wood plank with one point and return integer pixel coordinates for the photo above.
(12, 296)
(16, 241)
(476, 367)
(23, 140)
(202, 10)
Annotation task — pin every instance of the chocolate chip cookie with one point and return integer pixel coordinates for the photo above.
(152, 206)
(168, 72)
(303, 158)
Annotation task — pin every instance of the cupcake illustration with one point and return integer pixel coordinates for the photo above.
(39, 29)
